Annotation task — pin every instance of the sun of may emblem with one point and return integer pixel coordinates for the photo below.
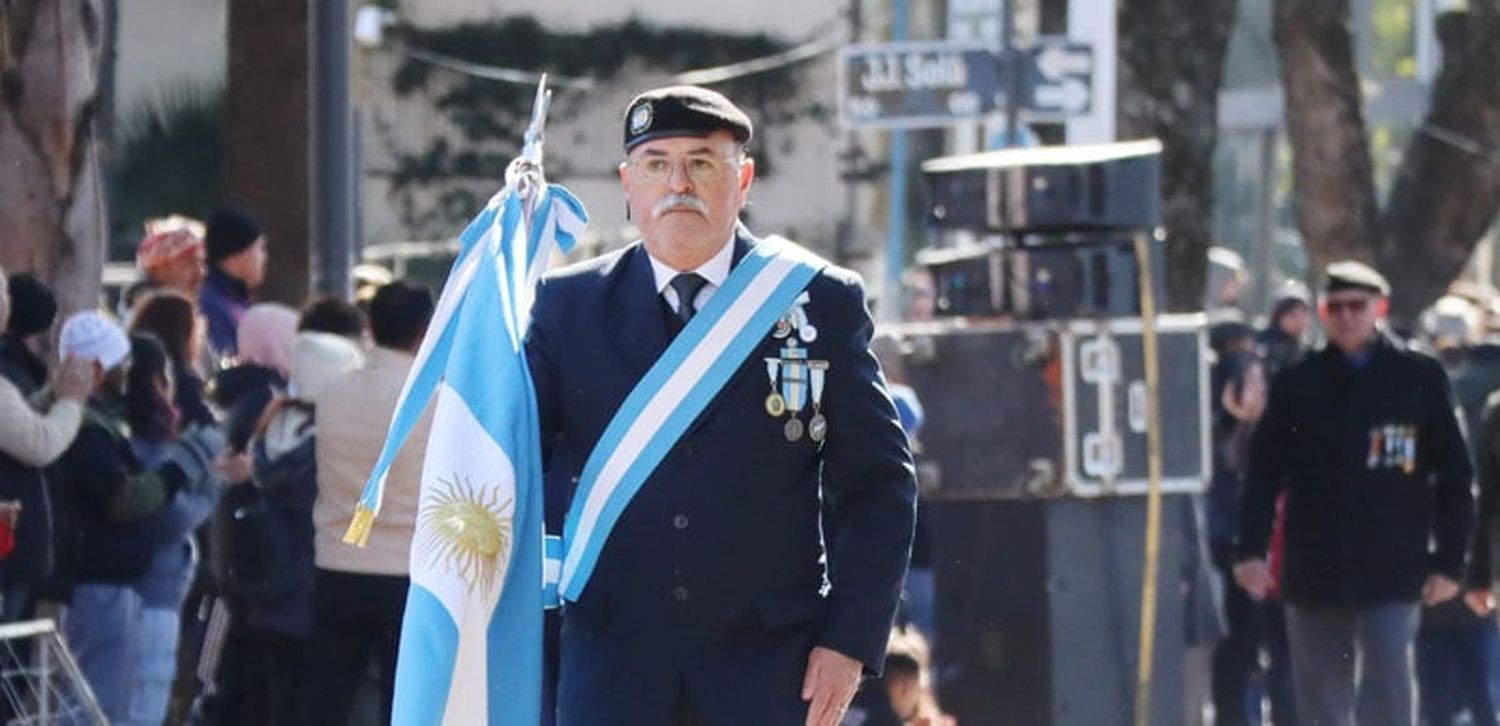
(468, 530)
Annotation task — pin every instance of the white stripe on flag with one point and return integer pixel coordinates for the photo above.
(465, 473)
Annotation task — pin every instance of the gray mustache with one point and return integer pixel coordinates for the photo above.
(673, 202)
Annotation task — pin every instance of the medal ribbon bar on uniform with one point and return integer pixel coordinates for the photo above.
(694, 368)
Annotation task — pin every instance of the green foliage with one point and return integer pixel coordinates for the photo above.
(167, 159)
(491, 116)
(1394, 44)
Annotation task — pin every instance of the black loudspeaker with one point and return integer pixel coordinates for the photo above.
(1042, 279)
(1100, 187)
(1038, 611)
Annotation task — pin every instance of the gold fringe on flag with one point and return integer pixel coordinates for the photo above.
(359, 529)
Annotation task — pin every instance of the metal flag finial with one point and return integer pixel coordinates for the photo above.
(536, 130)
(525, 171)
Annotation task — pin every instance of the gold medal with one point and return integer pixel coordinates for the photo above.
(793, 429)
(775, 405)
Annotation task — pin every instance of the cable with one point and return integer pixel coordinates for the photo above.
(492, 73)
(701, 77)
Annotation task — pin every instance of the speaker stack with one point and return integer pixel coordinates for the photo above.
(1033, 452)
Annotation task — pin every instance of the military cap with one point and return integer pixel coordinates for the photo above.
(682, 111)
(1351, 275)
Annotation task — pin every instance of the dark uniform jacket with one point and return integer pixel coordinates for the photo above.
(223, 299)
(1374, 467)
(1482, 574)
(711, 587)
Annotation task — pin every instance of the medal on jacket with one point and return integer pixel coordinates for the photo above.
(775, 404)
(793, 376)
(817, 428)
(1409, 454)
(794, 379)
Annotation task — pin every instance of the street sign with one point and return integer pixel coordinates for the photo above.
(918, 83)
(937, 83)
(1059, 78)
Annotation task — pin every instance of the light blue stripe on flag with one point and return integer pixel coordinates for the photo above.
(471, 648)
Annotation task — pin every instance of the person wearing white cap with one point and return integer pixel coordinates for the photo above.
(112, 498)
(31, 439)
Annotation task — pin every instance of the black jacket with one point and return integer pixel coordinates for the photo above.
(106, 498)
(1374, 467)
(242, 393)
(711, 583)
(1487, 462)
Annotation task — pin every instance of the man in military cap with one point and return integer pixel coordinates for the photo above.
(1363, 439)
(701, 392)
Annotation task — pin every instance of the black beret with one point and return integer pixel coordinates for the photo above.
(682, 111)
(1351, 275)
(32, 306)
(229, 231)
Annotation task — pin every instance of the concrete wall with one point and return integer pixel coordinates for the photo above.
(165, 44)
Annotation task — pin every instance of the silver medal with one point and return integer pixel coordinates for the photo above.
(817, 428)
(793, 429)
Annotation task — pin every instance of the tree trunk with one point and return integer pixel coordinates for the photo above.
(266, 102)
(1447, 190)
(1171, 66)
(1333, 181)
(52, 212)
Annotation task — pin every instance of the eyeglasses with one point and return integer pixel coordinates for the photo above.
(700, 168)
(1353, 306)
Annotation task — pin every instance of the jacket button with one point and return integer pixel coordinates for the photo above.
(679, 593)
(680, 521)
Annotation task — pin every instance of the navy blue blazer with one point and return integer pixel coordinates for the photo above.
(712, 587)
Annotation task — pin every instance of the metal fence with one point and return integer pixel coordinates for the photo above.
(40, 682)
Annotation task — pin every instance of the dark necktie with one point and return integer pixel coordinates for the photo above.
(687, 285)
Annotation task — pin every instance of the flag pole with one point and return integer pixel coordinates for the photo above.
(524, 175)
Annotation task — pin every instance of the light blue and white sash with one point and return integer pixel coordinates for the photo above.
(697, 364)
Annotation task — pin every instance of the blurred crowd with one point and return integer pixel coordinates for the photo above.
(174, 490)
(1456, 661)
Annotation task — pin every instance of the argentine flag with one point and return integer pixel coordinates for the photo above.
(471, 641)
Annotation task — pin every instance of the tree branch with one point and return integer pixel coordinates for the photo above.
(1447, 191)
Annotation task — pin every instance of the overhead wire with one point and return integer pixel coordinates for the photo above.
(699, 77)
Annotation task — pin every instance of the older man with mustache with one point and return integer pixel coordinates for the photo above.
(701, 393)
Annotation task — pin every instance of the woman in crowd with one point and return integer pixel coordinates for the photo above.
(274, 537)
(115, 501)
(173, 319)
(154, 439)
(242, 392)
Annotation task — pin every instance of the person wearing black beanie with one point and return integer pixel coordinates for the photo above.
(236, 252)
(32, 311)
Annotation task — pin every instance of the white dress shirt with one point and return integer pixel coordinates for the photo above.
(715, 271)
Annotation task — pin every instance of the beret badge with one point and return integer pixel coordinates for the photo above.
(640, 118)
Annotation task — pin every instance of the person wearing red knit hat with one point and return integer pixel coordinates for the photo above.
(170, 256)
